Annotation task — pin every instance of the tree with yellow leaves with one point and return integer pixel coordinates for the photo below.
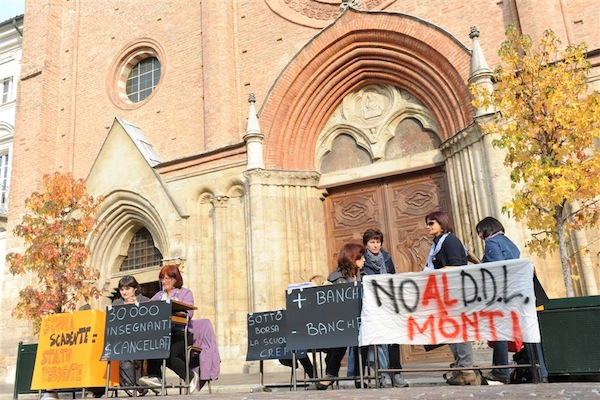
(550, 129)
(54, 232)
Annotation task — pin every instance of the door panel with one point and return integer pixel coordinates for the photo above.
(349, 212)
(397, 206)
(409, 200)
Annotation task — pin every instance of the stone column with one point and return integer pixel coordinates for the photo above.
(230, 273)
(286, 233)
(219, 204)
(471, 189)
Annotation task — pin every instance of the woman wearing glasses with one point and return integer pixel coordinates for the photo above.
(448, 251)
(171, 283)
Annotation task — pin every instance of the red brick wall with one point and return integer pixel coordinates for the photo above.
(216, 52)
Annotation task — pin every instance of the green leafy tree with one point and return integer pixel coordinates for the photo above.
(549, 128)
(54, 232)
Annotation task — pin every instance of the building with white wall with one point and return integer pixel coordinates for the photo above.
(11, 33)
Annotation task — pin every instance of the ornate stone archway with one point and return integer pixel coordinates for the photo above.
(121, 216)
(363, 47)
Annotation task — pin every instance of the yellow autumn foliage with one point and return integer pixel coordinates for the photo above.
(549, 126)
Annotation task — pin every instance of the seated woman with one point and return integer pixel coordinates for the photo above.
(350, 263)
(171, 282)
(129, 289)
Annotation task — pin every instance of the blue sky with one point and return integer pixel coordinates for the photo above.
(11, 8)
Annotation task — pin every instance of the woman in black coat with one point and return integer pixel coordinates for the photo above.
(351, 261)
(448, 251)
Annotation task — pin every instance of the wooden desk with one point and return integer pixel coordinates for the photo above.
(123, 342)
(179, 306)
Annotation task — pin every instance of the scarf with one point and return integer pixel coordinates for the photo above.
(435, 248)
(376, 261)
(494, 235)
(173, 296)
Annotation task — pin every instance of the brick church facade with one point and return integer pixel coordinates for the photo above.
(360, 117)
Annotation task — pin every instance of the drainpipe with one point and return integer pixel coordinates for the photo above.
(14, 21)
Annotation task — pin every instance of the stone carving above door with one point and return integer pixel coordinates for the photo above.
(378, 118)
(368, 107)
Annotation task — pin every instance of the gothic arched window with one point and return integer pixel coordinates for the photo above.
(141, 253)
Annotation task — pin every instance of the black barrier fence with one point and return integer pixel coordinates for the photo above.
(25, 362)
(320, 317)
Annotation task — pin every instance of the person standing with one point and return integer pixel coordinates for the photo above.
(448, 251)
(350, 263)
(499, 248)
(378, 261)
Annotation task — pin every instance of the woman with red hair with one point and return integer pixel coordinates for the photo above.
(171, 283)
(351, 261)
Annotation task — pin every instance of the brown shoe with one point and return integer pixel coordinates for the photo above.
(464, 378)
(490, 376)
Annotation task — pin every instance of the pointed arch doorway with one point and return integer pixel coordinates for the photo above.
(367, 103)
(379, 158)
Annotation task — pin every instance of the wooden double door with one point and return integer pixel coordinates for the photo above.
(397, 206)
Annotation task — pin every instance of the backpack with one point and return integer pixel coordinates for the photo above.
(521, 375)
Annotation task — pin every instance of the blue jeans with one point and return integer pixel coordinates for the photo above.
(500, 357)
(352, 364)
(540, 359)
(382, 357)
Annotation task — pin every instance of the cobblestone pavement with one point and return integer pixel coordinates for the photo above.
(579, 391)
(566, 391)
(423, 386)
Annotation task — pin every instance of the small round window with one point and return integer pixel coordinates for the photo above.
(135, 74)
(142, 79)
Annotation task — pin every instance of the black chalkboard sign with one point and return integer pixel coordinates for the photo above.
(266, 337)
(137, 331)
(323, 316)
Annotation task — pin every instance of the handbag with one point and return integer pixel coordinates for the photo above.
(513, 346)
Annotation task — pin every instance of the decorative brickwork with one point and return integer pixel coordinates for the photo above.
(350, 53)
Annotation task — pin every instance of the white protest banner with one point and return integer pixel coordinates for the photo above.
(491, 301)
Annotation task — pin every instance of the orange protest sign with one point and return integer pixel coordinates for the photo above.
(69, 349)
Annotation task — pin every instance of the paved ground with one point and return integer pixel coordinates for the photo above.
(575, 391)
(505, 392)
(247, 387)
(423, 386)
